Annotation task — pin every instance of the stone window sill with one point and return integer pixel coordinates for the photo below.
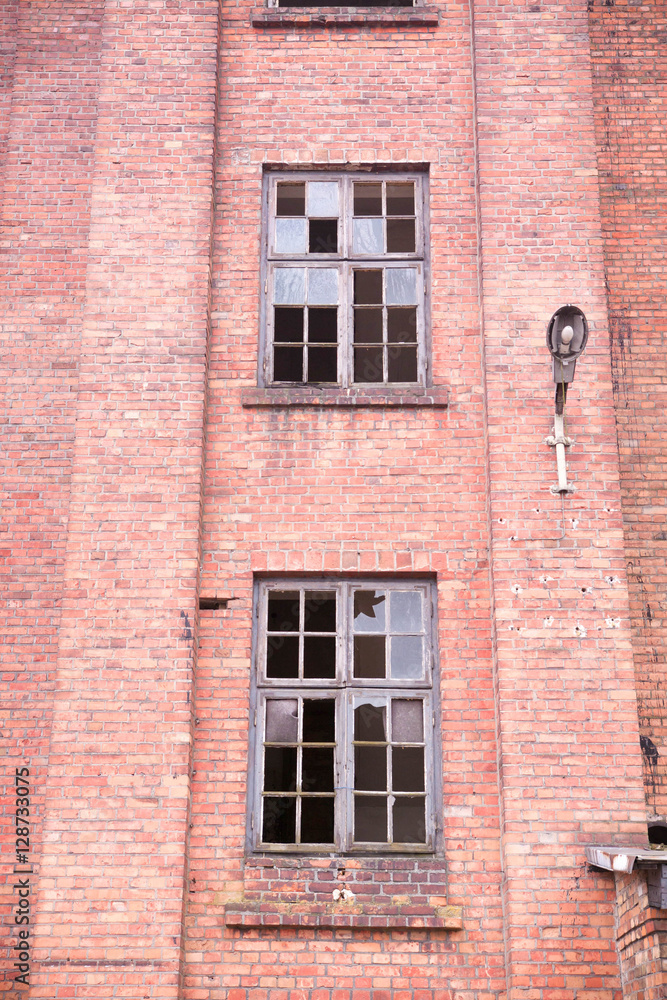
(434, 396)
(344, 915)
(317, 17)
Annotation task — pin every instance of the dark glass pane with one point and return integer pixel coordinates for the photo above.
(319, 721)
(282, 720)
(410, 820)
(288, 325)
(370, 769)
(368, 199)
(319, 656)
(288, 364)
(317, 769)
(291, 199)
(368, 364)
(317, 821)
(369, 656)
(401, 199)
(369, 611)
(369, 724)
(282, 656)
(320, 611)
(279, 769)
(407, 769)
(283, 611)
(279, 826)
(402, 364)
(368, 288)
(322, 364)
(400, 235)
(322, 326)
(402, 325)
(368, 326)
(323, 236)
(370, 819)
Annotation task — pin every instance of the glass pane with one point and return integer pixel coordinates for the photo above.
(407, 721)
(369, 723)
(282, 720)
(322, 287)
(320, 611)
(282, 656)
(319, 721)
(319, 656)
(318, 770)
(322, 326)
(283, 611)
(369, 611)
(279, 769)
(288, 364)
(401, 199)
(368, 287)
(370, 819)
(323, 198)
(368, 326)
(370, 769)
(317, 821)
(287, 325)
(368, 199)
(369, 656)
(279, 826)
(290, 235)
(290, 285)
(407, 769)
(406, 656)
(291, 199)
(367, 236)
(322, 364)
(323, 236)
(410, 820)
(405, 611)
(400, 235)
(402, 326)
(401, 286)
(402, 364)
(368, 364)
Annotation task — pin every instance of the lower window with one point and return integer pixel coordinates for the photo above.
(344, 720)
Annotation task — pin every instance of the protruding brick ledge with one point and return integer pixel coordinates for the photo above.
(435, 395)
(331, 916)
(315, 17)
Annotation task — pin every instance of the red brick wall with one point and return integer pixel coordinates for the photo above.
(641, 939)
(628, 44)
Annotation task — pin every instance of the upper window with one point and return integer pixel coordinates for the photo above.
(345, 279)
(344, 751)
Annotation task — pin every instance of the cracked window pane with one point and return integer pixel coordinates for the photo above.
(282, 720)
(369, 723)
(369, 611)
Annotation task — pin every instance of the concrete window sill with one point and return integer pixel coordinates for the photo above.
(332, 17)
(355, 917)
(433, 396)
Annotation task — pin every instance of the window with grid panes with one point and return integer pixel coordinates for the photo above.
(345, 280)
(344, 717)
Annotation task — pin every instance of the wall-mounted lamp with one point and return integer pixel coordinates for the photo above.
(567, 334)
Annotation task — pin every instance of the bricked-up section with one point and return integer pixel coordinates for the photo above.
(630, 71)
(113, 867)
(570, 761)
(49, 71)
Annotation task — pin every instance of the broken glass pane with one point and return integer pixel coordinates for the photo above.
(317, 820)
(283, 611)
(279, 825)
(407, 721)
(370, 819)
(401, 199)
(370, 769)
(400, 235)
(368, 199)
(319, 656)
(319, 724)
(369, 723)
(318, 770)
(406, 656)
(402, 325)
(282, 720)
(405, 611)
(290, 235)
(288, 364)
(322, 325)
(402, 364)
(367, 287)
(320, 611)
(368, 364)
(279, 769)
(290, 285)
(323, 198)
(367, 236)
(323, 236)
(401, 286)
(322, 287)
(291, 199)
(282, 656)
(369, 611)
(410, 820)
(368, 326)
(369, 656)
(322, 364)
(288, 325)
(407, 769)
